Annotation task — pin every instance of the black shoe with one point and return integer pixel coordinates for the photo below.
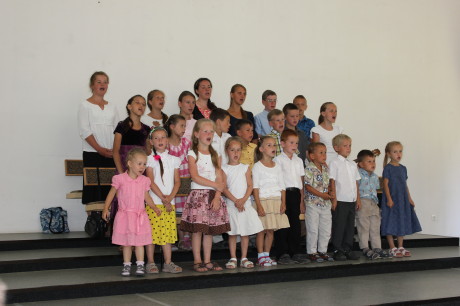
(351, 255)
(339, 256)
(300, 258)
(285, 259)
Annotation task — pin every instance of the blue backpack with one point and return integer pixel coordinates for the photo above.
(54, 220)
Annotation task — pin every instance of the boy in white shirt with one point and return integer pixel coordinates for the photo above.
(344, 177)
(287, 240)
(222, 119)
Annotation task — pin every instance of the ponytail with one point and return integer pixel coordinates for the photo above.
(323, 109)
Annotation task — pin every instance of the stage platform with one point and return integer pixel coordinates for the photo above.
(91, 268)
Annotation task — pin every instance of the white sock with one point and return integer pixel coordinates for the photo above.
(139, 263)
(127, 264)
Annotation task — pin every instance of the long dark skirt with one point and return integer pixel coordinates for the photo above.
(95, 193)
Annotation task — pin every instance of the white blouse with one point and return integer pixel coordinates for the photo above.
(269, 181)
(166, 185)
(326, 137)
(147, 120)
(92, 120)
(205, 169)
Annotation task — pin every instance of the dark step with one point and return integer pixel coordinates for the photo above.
(78, 283)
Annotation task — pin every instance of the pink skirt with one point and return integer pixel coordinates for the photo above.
(132, 228)
(199, 217)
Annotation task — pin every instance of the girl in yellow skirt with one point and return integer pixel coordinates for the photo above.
(269, 196)
(163, 171)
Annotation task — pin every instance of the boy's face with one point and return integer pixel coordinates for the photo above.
(344, 148)
(301, 105)
(277, 123)
(319, 155)
(223, 125)
(368, 164)
(246, 132)
(270, 102)
(292, 117)
(290, 145)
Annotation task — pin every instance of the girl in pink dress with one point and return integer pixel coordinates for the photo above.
(132, 225)
(179, 146)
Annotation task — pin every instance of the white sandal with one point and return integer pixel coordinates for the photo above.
(246, 263)
(231, 264)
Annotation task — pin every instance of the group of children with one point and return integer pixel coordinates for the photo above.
(243, 189)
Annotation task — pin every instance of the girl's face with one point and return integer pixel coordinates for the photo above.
(178, 129)
(137, 164)
(204, 90)
(330, 114)
(234, 153)
(158, 100)
(137, 106)
(187, 105)
(395, 153)
(159, 140)
(268, 148)
(239, 96)
(205, 134)
(100, 85)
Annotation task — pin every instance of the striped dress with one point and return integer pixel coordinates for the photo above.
(181, 151)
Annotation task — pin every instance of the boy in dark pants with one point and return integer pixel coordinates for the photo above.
(287, 240)
(344, 177)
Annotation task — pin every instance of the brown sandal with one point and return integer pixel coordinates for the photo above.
(213, 266)
(200, 267)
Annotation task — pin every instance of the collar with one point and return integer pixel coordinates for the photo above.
(275, 132)
(365, 173)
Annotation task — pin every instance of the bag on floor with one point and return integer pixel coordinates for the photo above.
(95, 226)
(54, 220)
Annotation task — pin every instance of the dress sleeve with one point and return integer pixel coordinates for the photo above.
(255, 176)
(119, 128)
(150, 161)
(116, 181)
(313, 130)
(386, 172)
(84, 127)
(176, 163)
(191, 153)
(146, 183)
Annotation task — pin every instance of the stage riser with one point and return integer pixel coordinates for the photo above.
(224, 280)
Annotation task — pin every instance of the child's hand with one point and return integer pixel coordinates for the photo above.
(283, 208)
(326, 196)
(390, 203)
(334, 205)
(220, 186)
(358, 205)
(215, 204)
(261, 211)
(168, 207)
(157, 211)
(302, 207)
(411, 202)
(240, 204)
(105, 215)
(106, 152)
(331, 194)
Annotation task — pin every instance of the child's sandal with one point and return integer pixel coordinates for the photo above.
(245, 263)
(396, 253)
(263, 262)
(213, 266)
(231, 264)
(151, 268)
(404, 252)
(171, 268)
(200, 267)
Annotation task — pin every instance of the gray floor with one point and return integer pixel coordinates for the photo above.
(358, 290)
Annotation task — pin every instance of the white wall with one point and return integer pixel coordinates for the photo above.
(392, 67)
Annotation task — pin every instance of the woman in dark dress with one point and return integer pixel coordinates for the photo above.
(236, 111)
(203, 106)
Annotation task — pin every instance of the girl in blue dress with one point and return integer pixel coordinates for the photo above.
(398, 214)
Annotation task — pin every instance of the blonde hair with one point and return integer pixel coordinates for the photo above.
(196, 129)
(134, 152)
(337, 140)
(388, 147)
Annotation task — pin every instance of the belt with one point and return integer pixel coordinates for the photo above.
(140, 218)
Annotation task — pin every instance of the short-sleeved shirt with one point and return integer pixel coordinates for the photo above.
(345, 174)
(151, 122)
(247, 154)
(205, 169)
(262, 127)
(368, 185)
(305, 124)
(181, 151)
(319, 180)
(292, 170)
(275, 134)
(132, 137)
(165, 182)
(218, 144)
(189, 124)
(269, 181)
(326, 137)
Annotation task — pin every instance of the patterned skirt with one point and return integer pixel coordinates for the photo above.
(199, 217)
(164, 229)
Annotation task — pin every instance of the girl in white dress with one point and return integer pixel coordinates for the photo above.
(243, 217)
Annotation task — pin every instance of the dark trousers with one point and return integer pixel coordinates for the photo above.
(95, 193)
(287, 240)
(343, 226)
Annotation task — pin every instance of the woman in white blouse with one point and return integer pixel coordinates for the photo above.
(97, 120)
